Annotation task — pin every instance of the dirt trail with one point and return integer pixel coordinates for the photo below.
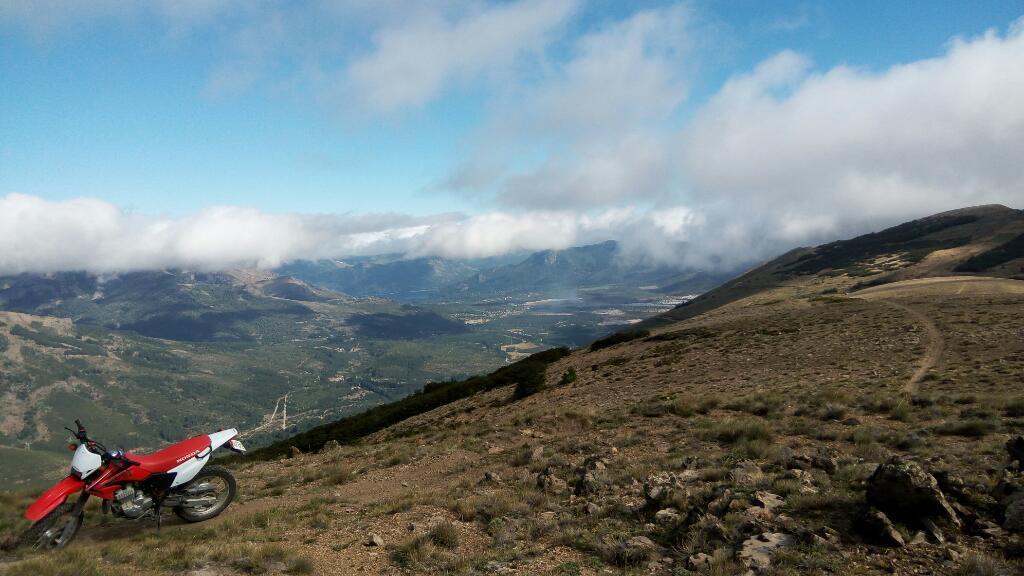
(935, 345)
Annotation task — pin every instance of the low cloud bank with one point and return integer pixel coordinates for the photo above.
(39, 235)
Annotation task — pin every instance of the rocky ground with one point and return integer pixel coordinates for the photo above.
(802, 430)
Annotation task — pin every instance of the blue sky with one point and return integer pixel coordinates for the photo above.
(165, 109)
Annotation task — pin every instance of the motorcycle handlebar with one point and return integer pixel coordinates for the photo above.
(95, 446)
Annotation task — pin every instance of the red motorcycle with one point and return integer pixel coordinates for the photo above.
(134, 486)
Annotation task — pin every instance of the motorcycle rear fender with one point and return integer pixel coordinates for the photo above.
(52, 498)
(186, 471)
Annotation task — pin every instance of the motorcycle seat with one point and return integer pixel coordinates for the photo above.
(172, 456)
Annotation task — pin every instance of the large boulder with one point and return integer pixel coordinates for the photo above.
(902, 489)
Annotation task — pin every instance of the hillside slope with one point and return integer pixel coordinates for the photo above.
(983, 240)
(779, 433)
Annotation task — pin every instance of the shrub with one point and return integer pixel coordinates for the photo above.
(568, 377)
(736, 430)
(976, 564)
(618, 338)
(1014, 408)
(967, 428)
(707, 405)
(681, 408)
(833, 412)
(444, 535)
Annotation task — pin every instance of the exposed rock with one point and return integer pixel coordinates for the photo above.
(549, 482)
(330, 446)
(1014, 515)
(756, 553)
(990, 530)
(720, 505)
(767, 500)
(827, 537)
(591, 476)
(747, 473)
(1015, 448)
(919, 538)
(758, 513)
(805, 478)
(667, 516)
(491, 478)
(825, 460)
(295, 451)
(876, 526)
(1008, 489)
(592, 509)
(799, 462)
(374, 540)
(662, 487)
(953, 555)
(537, 453)
(698, 561)
(636, 550)
(952, 484)
(933, 530)
(902, 488)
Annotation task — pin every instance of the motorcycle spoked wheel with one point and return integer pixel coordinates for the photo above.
(220, 484)
(56, 529)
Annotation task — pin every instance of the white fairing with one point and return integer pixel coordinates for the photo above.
(188, 469)
(218, 439)
(84, 462)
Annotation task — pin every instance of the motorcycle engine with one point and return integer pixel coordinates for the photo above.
(131, 503)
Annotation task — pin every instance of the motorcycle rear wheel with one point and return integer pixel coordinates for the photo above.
(220, 484)
(56, 529)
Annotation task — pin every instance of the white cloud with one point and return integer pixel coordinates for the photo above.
(416, 59)
(602, 117)
(849, 146)
(41, 235)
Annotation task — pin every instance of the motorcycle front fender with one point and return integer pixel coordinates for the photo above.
(52, 498)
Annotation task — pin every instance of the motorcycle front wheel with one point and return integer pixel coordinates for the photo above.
(56, 529)
(207, 495)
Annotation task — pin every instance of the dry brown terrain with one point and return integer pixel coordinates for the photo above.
(791, 392)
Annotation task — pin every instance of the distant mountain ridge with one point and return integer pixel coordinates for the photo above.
(559, 271)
